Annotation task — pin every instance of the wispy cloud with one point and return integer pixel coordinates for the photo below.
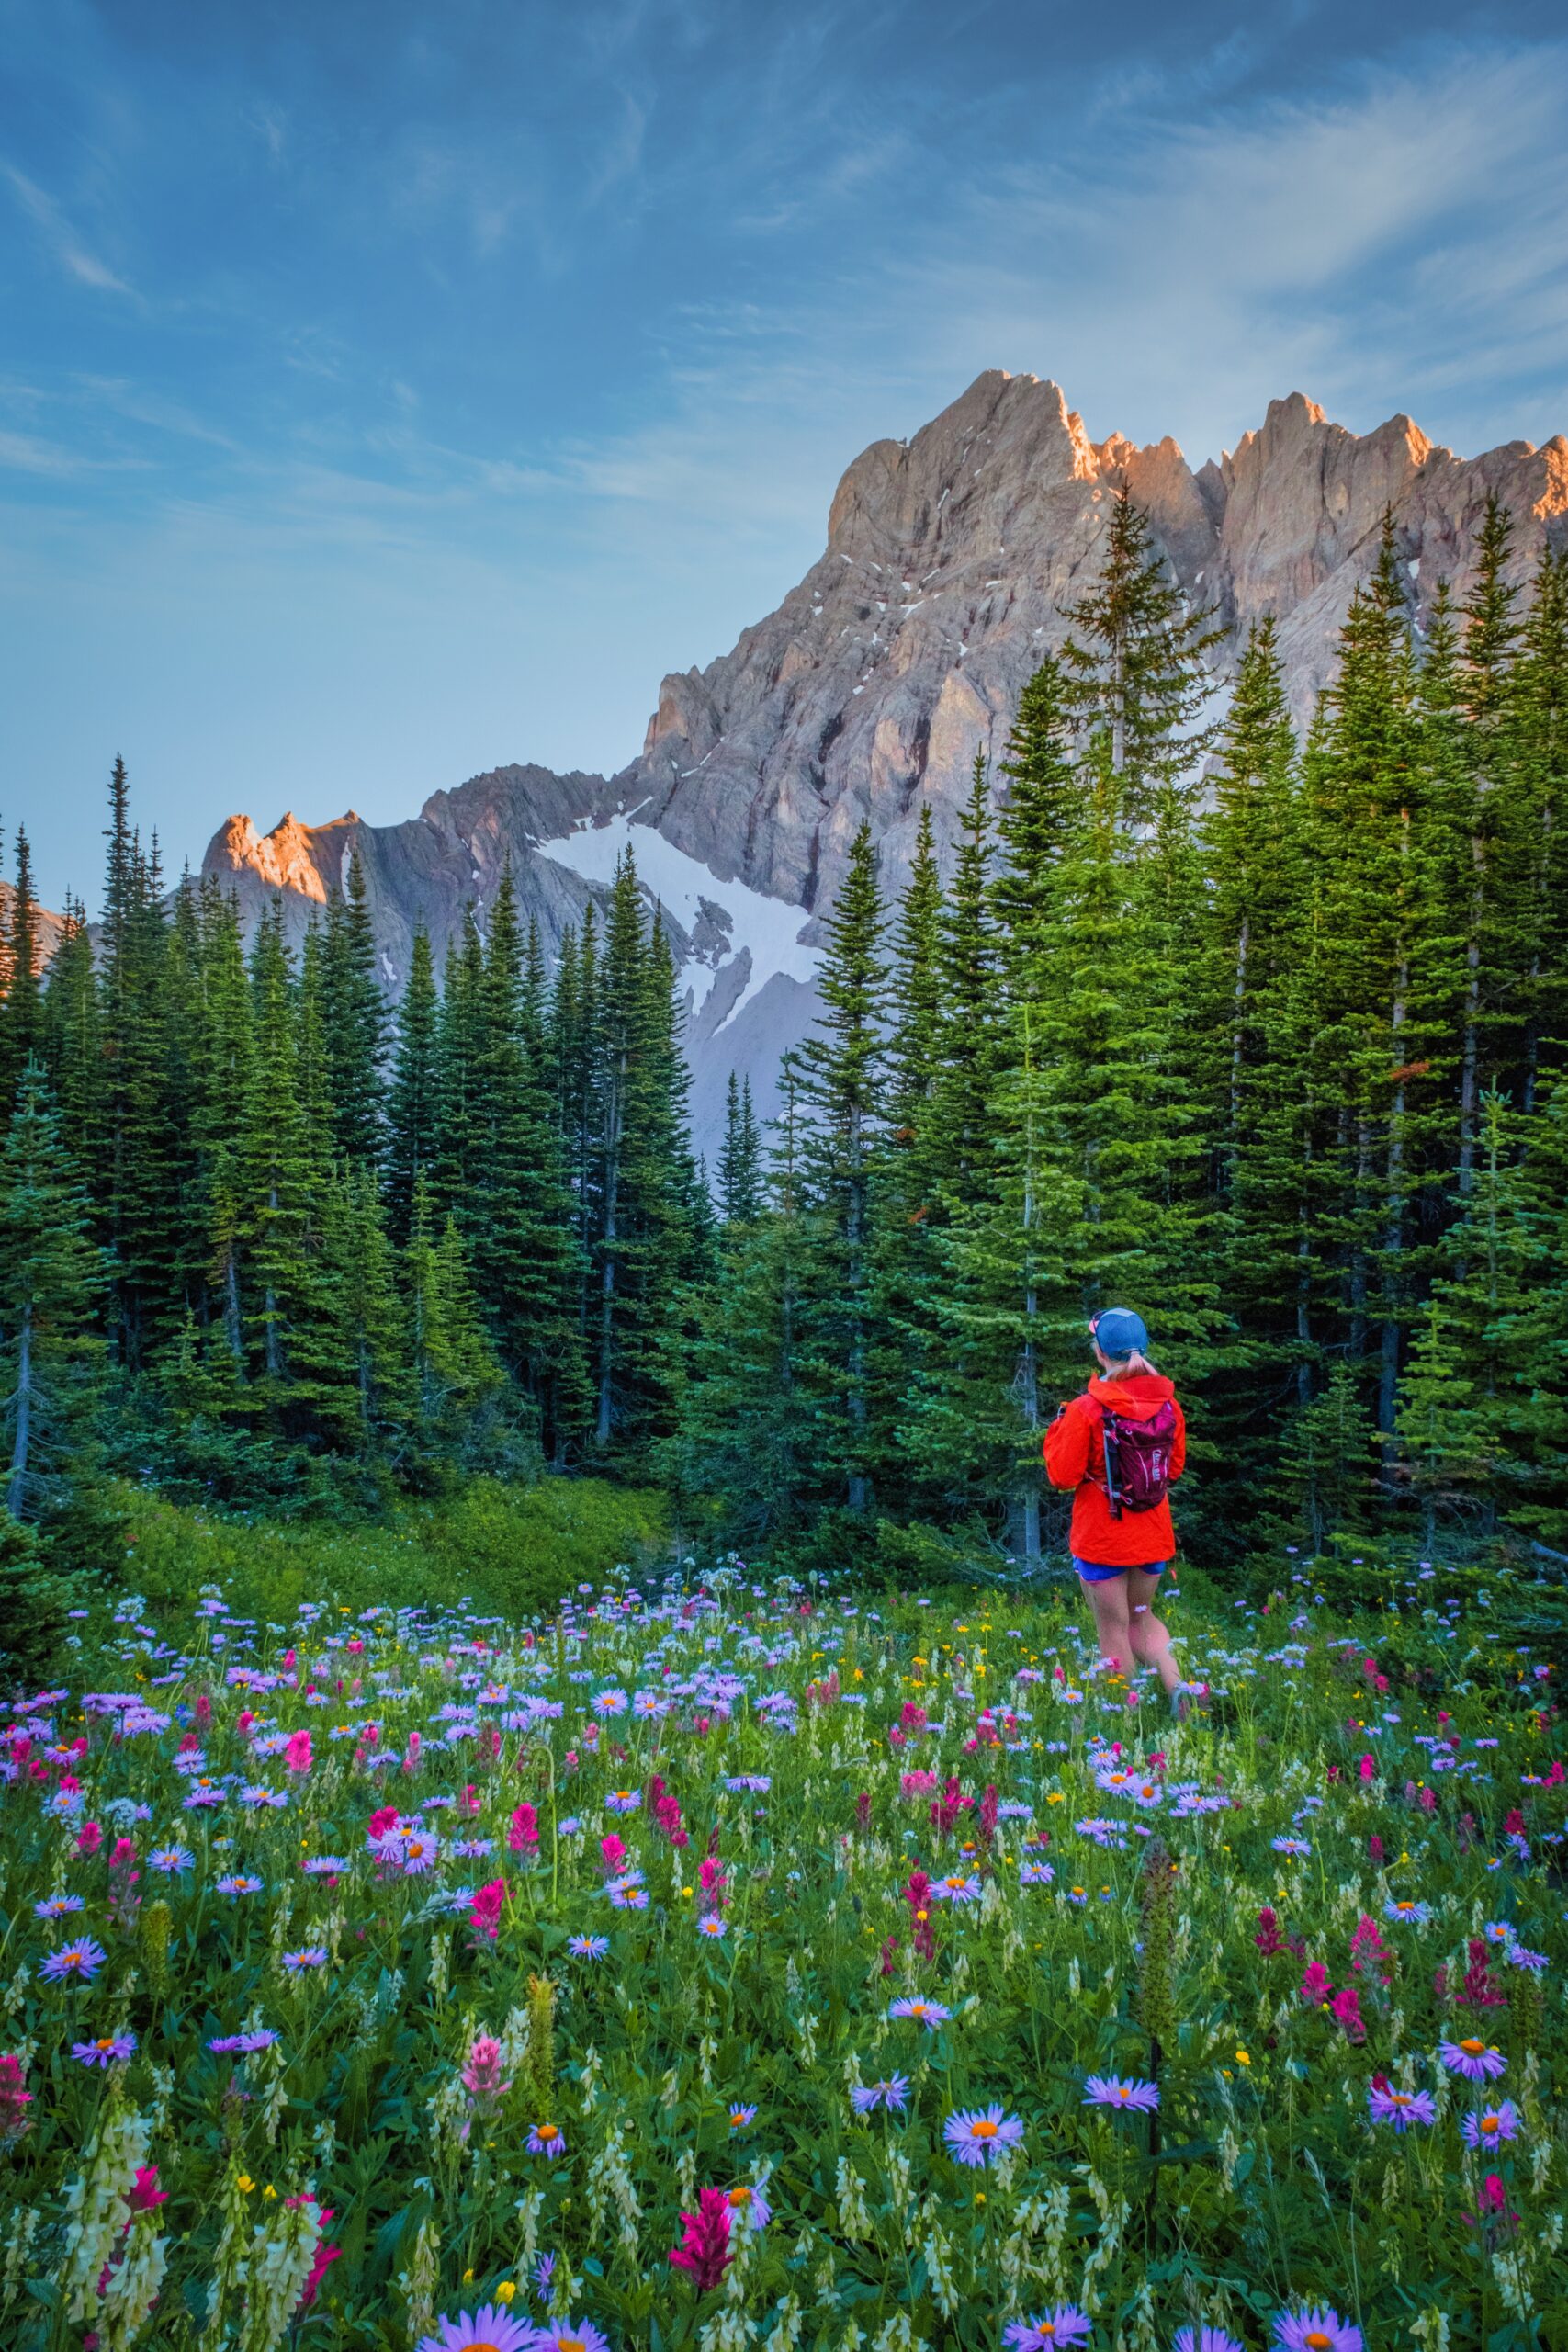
(59, 238)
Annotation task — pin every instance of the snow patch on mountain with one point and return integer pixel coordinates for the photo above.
(724, 921)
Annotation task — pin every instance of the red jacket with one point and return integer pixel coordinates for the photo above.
(1073, 1457)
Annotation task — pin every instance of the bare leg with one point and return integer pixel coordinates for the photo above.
(1108, 1603)
(1151, 1639)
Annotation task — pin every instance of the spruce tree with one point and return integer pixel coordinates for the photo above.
(842, 1084)
(516, 1213)
(354, 1020)
(749, 1430)
(458, 1388)
(51, 1279)
(413, 1097)
(1133, 663)
(740, 1165)
(21, 1011)
(276, 1181)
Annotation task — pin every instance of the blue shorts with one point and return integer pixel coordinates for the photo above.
(1092, 1573)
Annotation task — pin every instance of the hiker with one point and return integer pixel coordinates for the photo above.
(1119, 1445)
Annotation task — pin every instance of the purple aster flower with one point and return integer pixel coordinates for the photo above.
(741, 2118)
(242, 2045)
(628, 1898)
(748, 2204)
(930, 2014)
(548, 2140)
(1291, 1845)
(1402, 2108)
(892, 2093)
(240, 1885)
(1204, 2339)
(1109, 2090)
(308, 1956)
(84, 1959)
(1478, 2061)
(488, 2330)
(112, 2050)
(1490, 2128)
(56, 1906)
(1408, 1913)
(543, 2275)
(172, 1860)
(588, 1947)
(1035, 1874)
(1520, 1956)
(324, 1866)
(1318, 2330)
(1046, 2330)
(564, 2335)
(712, 1924)
(623, 1801)
(957, 1889)
(976, 2136)
(421, 1851)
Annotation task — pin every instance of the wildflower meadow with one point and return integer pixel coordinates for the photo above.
(744, 1965)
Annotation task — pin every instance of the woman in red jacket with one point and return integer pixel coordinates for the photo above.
(1121, 1536)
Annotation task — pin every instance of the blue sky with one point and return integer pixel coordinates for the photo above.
(387, 391)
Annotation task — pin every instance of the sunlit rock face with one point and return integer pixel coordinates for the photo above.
(867, 693)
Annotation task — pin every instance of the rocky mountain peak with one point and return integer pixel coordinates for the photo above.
(949, 562)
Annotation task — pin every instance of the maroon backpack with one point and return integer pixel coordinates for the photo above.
(1137, 1457)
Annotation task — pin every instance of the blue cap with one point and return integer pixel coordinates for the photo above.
(1120, 1332)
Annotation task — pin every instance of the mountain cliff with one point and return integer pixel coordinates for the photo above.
(867, 693)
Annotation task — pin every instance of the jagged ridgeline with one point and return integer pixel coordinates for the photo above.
(1262, 1030)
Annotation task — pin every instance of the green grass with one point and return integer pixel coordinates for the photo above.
(515, 1549)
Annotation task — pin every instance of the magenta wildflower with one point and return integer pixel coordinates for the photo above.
(481, 2070)
(14, 2100)
(704, 2249)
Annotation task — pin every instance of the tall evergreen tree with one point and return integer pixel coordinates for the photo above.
(412, 1098)
(739, 1166)
(842, 1068)
(51, 1279)
(21, 1011)
(354, 1020)
(1133, 665)
(516, 1215)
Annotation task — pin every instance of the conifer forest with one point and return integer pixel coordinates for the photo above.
(1263, 1034)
